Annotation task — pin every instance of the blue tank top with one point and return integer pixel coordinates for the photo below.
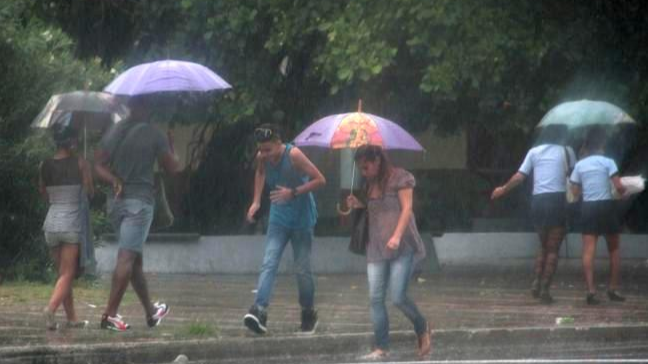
(299, 212)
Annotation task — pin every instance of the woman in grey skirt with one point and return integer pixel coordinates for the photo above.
(64, 178)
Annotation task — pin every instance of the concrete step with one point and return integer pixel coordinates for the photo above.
(519, 343)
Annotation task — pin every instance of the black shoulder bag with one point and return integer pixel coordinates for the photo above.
(359, 231)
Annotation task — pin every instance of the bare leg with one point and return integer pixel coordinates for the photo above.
(138, 281)
(613, 242)
(542, 254)
(55, 253)
(552, 247)
(68, 255)
(121, 277)
(589, 250)
(68, 305)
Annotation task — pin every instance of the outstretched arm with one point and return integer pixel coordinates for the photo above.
(513, 182)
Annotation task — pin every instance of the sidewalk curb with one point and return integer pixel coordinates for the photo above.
(297, 345)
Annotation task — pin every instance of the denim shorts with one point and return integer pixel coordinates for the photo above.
(54, 239)
(131, 218)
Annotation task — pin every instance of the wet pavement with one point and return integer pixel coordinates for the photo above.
(474, 314)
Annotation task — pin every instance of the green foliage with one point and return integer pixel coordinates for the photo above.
(36, 61)
(496, 65)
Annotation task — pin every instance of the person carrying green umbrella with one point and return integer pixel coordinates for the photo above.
(550, 162)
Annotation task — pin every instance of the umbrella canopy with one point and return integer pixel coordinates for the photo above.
(582, 113)
(94, 110)
(352, 130)
(166, 76)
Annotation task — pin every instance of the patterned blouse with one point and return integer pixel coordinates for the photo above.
(383, 219)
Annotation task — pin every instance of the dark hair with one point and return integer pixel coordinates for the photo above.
(139, 101)
(267, 132)
(62, 131)
(553, 134)
(595, 139)
(371, 153)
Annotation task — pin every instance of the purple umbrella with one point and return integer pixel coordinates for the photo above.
(164, 76)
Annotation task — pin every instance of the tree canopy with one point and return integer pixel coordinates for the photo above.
(492, 66)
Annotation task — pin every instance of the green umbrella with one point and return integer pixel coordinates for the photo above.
(582, 113)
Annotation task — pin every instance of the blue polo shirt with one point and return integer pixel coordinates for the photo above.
(593, 175)
(547, 162)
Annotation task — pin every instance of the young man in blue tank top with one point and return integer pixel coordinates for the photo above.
(291, 178)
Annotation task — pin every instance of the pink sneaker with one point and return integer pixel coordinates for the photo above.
(161, 310)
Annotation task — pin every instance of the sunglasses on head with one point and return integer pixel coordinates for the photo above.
(263, 134)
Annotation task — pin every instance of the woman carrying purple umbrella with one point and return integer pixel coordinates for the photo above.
(394, 245)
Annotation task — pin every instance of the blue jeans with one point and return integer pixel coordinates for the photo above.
(276, 240)
(396, 274)
(131, 219)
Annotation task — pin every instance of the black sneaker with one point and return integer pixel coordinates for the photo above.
(546, 298)
(591, 299)
(255, 320)
(161, 310)
(615, 296)
(535, 288)
(309, 321)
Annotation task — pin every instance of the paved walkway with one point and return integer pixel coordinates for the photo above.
(212, 307)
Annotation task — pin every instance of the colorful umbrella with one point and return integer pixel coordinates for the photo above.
(581, 113)
(165, 76)
(352, 130)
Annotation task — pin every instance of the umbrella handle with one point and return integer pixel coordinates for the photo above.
(348, 211)
(343, 212)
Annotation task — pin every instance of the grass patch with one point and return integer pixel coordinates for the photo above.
(200, 329)
(85, 290)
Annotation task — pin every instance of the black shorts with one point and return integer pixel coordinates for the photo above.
(600, 217)
(549, 210)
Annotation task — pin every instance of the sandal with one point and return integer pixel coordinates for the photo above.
(377, 354)
(77, 324)
(425, 342)
(50, 321)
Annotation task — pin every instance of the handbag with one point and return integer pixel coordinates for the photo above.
(359, 231)
(569, 194)
(162, 214)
